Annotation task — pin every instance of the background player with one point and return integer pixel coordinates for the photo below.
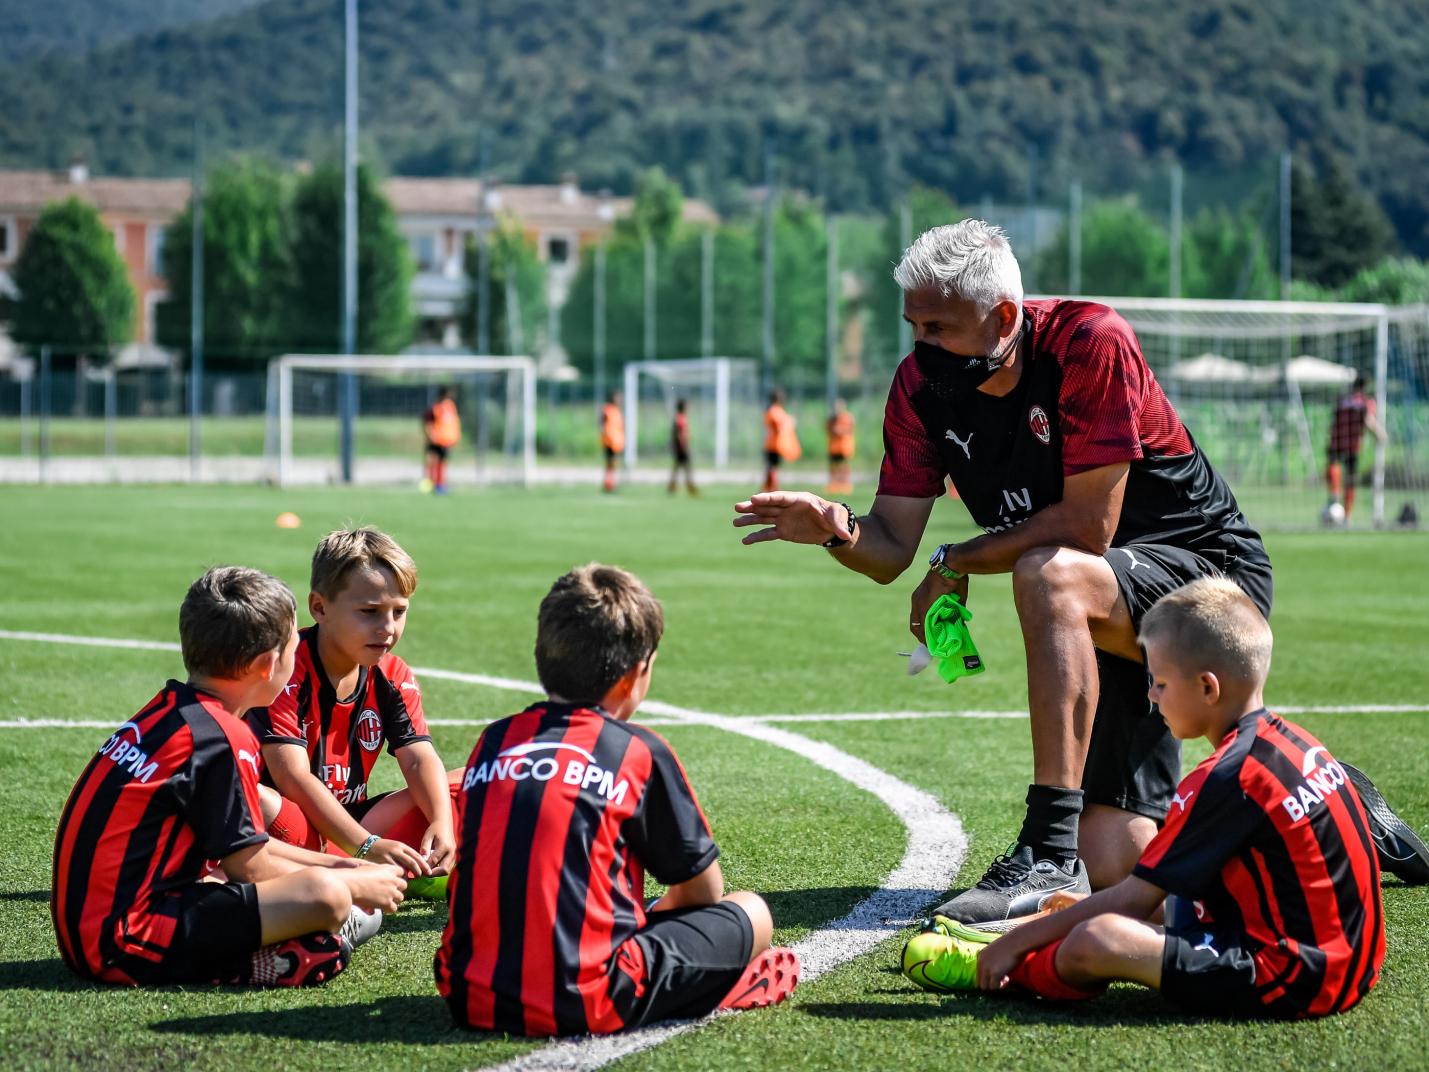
(781, 439)
(441, 424)
(840, 431)
(564, 808)
(612, 436)
(1353, 414)
(680, 450)
(1276, 908)
(348, 696)
(175, 788)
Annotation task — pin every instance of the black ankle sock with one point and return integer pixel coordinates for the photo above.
(1050, 828)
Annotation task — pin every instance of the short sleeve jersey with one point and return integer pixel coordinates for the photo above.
(343, 736)
(1268, 841)
(1352, 412)
(172, 791)
(561, 813)
(1086, 399)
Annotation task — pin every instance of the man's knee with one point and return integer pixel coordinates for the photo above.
(1045, 577)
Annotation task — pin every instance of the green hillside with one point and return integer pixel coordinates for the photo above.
(74, 27)
(860, 99)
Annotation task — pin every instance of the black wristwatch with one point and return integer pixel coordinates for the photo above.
(852, 525)
(938, 559)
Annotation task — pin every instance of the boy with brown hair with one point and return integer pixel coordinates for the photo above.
(563, 808)
(347, 696)
(1267, 855)
(175, 789)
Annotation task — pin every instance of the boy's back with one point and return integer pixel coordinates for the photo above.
(173, 789)
(1266, 838)
(562, 810)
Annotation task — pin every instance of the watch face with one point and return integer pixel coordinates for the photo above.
(936, 558)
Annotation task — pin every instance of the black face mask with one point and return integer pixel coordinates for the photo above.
(949, 374)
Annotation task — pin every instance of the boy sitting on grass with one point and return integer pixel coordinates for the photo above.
(175, 789)
(563, 809)
(1266, 853)
(349, 695)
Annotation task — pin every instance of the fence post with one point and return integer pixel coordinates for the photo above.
(45, 399)
(1381, 399)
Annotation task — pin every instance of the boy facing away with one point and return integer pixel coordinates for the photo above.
(564, 808)
(349, 695)
(173, 792)
(1267, 855)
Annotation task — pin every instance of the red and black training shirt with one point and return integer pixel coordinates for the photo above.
(172, 791)
(1268, 841)
(562, 811)
(1352, 413)
(1086, 399)
(343, 735)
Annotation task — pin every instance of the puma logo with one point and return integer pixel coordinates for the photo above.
(1134, 561)
(1179, 801)
(965, 444)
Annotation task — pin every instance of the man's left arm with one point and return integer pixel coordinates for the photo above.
(1085, 519)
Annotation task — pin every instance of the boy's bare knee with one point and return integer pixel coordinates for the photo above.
(330, 894)
(269, 803)
(760, 919)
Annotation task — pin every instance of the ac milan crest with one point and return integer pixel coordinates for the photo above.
(369, 730)
(1041, 426)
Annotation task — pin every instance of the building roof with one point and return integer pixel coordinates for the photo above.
(31, 191)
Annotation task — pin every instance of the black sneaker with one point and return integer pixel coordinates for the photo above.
(1400, 850)
(1017, 884)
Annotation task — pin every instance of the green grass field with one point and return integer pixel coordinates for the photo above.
(751, 631)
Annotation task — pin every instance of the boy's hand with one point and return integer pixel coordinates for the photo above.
(400, 854)
(439, 847)
(995, 964)
(376, 887)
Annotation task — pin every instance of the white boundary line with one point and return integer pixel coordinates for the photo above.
(932, 857)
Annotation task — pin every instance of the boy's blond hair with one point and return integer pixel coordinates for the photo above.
(345, 550)
(1211, 624)
(595, 623)
(230, 616)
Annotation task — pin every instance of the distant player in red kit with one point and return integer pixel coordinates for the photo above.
(680, 450)
(1353, 414)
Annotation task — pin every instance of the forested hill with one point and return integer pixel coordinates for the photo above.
(29, 28)
(860, 98)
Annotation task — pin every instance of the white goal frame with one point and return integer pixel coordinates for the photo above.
(722, 367)
(280, 391)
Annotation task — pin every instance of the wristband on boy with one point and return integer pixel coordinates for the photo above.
(366, 846)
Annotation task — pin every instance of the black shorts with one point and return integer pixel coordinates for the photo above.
(837, 459)
(1351, 462)
(1210, 973)
(216, 927)
(693, 958)
(1133, 762)
(772, 459)
(610, 455)
(682, 457)
(440, 453)
(359, 810)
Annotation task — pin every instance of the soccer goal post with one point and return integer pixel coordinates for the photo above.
(715, 390)
(1257, 383)
(496, 399)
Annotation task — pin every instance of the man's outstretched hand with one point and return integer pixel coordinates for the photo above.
(794, 516)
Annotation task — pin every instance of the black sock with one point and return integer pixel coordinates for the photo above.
(1050, 828)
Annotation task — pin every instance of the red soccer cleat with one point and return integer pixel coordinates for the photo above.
(769, 979)
(303, 961)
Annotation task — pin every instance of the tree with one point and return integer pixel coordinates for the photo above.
(384, 267)
(1397, 281)
(74, 290)
(1225, 257)
(511, 256)
(1124, 252)
(881, 307)
(1336, 228)
(656, 212)
(247, 261)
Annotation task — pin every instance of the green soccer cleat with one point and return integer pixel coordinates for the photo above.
(940, 963)
(951, 928)
(428, 887)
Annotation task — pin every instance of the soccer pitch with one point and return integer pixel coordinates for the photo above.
(752, 634)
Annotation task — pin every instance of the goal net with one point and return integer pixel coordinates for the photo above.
(721, 401)
(495, 396)
(1257, 384)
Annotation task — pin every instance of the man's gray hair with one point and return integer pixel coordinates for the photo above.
(971, 260)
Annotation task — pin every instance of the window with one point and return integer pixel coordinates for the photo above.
(558, 250)
(7, 237)
(156, 249)
(424, 250)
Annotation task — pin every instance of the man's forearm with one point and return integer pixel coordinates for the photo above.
(874, 551)
(998, 552)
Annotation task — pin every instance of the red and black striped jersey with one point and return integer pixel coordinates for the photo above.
(173, 790)
(1347, 427)
(1086, 399)
(1266, 838)
(343, 736)
(561, 813)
